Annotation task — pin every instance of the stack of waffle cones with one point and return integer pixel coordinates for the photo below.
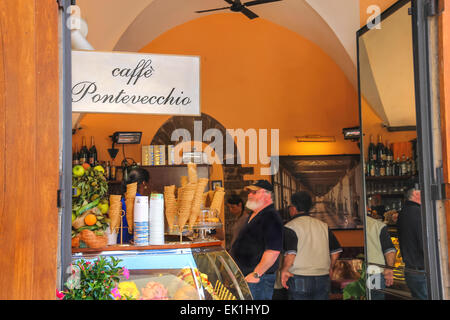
(130, 196)
(217, 201)
(170, 204)
(186, 208)
(197, 201)
(185, 203)
(115, 212)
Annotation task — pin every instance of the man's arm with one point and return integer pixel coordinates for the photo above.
(288, 261)
(334, 257)
(389, 252)
(268, 259)
(335, 250)
(389, 273)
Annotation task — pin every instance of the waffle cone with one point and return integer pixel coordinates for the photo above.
(129, 202)
(170, 205)
(192, 172)
(197, 202)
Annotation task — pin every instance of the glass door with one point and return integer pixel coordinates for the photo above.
(395, 150)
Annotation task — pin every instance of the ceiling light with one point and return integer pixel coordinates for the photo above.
(315, 138)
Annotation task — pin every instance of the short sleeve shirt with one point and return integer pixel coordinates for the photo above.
(263, 232)
(291, 241)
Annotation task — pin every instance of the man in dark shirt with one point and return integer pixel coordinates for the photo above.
(411, 244)
(259, 242)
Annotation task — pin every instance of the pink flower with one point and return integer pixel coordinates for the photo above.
(126, 273)
(116, 294)
(59, 294)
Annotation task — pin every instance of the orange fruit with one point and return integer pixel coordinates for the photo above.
(90, 219)
(86, 165)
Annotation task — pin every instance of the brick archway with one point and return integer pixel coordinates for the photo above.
(233, 174)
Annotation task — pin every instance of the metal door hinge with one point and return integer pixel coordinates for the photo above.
(66, 3)
(434, 7)
(59, 198)
(438, 188)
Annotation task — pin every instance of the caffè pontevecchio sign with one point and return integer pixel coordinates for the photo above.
(118, 82)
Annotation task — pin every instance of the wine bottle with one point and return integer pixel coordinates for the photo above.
(388, 151)
(75, 155)
(397, 167)
(382, 168)
(408, 166)
(372, 154)
(84, 153)
(380, 150)
(108, 171)
(403, 166)
(93, 158)
(371, 168)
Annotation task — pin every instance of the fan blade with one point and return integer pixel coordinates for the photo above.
(229, 1)
(248, 13)
(254, 3)
(201, 11)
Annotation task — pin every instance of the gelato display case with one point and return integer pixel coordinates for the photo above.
(176, 272)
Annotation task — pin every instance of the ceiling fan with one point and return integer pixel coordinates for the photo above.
(237, 6)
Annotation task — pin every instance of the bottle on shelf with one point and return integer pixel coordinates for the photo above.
(403, 170)
(112, 175)
(93, 156)
(371, 168)
(382, 165)
(84, 153)
(408, 166)
(372, 152)
(377, 169)
(413, 167)
(108, 170)
(397, 167)
(380, 150)
(75, 156)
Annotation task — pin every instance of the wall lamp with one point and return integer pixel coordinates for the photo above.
(124, 137)
(353, 133)
(315, 138)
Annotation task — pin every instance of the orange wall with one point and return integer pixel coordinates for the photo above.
(254, 74)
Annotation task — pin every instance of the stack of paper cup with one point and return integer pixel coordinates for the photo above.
(156, 219)
(141, 225)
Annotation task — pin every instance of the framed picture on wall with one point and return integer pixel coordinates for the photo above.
(215, 184)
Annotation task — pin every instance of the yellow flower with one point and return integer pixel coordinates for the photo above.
(129, 289)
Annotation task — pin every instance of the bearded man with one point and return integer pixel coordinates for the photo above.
(260, 241)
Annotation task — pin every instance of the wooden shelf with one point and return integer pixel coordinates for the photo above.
(389, 178)
(170, 245)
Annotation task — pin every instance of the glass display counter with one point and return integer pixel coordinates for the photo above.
(177, 272)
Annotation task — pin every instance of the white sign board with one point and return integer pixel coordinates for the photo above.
(117, 82)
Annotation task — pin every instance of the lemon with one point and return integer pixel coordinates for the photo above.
(99, 168)
(103, 207)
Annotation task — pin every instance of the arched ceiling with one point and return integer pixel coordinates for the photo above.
(115, 25)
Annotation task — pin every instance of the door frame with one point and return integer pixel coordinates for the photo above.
(65, 187)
